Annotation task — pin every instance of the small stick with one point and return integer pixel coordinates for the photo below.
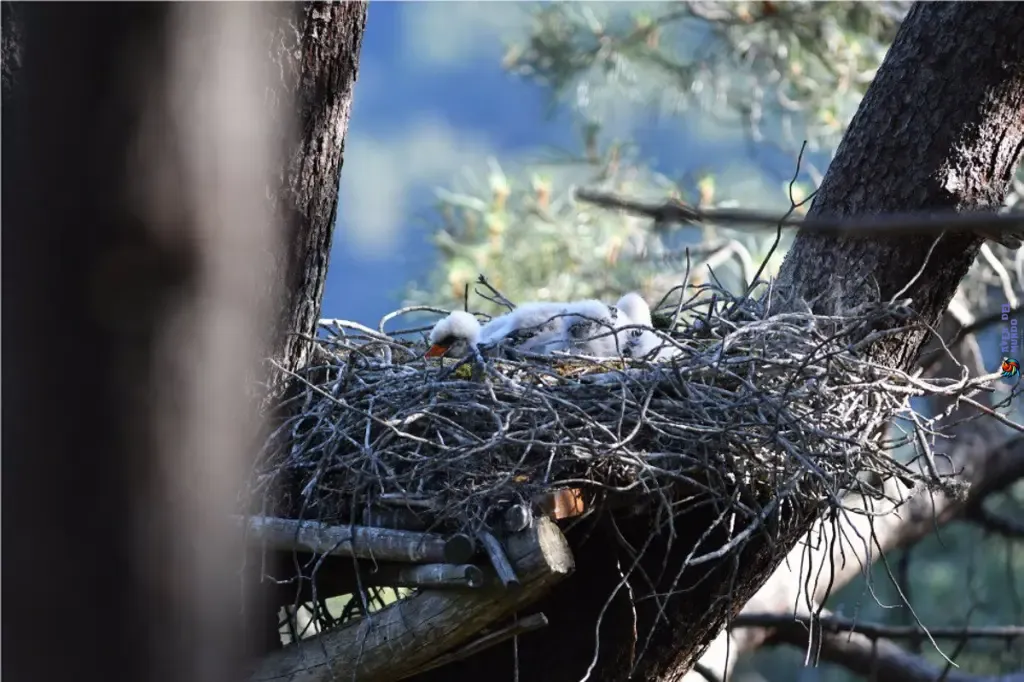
(361, 542)
(426, 575)
(520, 627)
(459, 548)
(497, 298)
(401, 499)
(496, 553)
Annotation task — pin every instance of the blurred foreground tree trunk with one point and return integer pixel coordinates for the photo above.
(145, 278)
(941, 128)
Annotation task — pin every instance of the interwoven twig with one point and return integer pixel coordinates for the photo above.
(775, 406)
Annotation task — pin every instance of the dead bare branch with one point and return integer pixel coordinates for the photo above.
(932, 223)
(837, 625)
(873, 657)
(519, 627)
(991, 522)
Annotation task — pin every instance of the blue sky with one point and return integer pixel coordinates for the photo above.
(432, 101)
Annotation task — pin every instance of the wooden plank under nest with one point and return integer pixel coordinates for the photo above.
(409, 634)
(361, 542)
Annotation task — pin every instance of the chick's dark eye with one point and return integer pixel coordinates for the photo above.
(635, 333)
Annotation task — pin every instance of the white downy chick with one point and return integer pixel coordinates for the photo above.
(591, 328)
(531, 327)
(642, 343)
(454, 336)
(534, 327)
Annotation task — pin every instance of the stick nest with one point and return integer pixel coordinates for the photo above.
(757, 408)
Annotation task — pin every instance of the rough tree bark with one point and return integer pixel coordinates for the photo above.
(319, 50)
(315, 47)
(940, 128)
(10, 46)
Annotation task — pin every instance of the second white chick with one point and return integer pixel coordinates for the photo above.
(535, 327)
(592, 328)
(642, 343)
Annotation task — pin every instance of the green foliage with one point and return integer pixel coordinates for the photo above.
(807, 64)
(522, 227)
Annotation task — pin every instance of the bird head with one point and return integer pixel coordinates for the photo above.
(453, 336)
(636, 309)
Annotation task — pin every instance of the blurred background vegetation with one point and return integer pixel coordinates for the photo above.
(780, 74)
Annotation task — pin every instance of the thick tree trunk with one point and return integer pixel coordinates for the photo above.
(315, 48)
(130, 249)
(139, 300)
(941, 127)
(323, 67)
(10, 46)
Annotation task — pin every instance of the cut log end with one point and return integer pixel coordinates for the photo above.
(459, 549)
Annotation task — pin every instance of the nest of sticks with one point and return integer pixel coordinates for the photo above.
(756, 409)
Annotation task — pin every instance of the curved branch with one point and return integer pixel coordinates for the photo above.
(874, 658)
(836, 625)
(993, 523)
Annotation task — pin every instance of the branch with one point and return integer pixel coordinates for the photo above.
(871, 657)
(837, 625)
(929, 223)
(424, 575)
(835, 552)
(993, 523)
(520, 627)
(931, 358)
(361, 542)
(409, 634)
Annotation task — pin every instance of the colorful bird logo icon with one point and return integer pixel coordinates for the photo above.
(1011, 368)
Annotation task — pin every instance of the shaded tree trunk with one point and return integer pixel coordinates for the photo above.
(10, 46)
(315, 48)
(102, 297)
(138, 300)
(941, 127)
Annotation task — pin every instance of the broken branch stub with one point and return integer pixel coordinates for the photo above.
(405, 637)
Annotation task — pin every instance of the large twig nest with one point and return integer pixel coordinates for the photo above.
(756, 409)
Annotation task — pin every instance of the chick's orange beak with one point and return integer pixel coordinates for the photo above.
(435, 351)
